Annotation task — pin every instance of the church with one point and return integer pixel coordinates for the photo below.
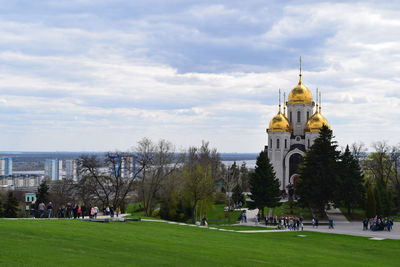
(292, 132)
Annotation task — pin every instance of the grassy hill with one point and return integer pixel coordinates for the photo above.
(82, 243)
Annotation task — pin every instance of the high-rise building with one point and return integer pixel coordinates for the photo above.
(53, 169)
(6, 166)
(71, 169)
(128, 167)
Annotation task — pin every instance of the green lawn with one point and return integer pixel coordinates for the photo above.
(217, 215)
(82, 243)
(284, 210)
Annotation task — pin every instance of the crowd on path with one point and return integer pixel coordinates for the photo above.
(378, 224)
(70, 211)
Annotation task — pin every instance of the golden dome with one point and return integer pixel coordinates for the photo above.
(300, 95)
(314, 124)
(279, 123)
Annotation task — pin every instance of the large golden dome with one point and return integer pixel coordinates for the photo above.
(300, 95)
(314, 124)
(279, 123)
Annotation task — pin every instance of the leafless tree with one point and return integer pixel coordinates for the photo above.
(358, 150)
(157, 162)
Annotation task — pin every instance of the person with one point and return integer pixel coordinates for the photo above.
(107, 211)
(49, 210)
(313, 222)
(41, 209)
(79, 211)
(92, 212)
(330, 220)
(204, 222)
(316, 223)
(96, 210)
(75, 211)
(83, 208)
(245, 216)
(117, 212)
(365, 224)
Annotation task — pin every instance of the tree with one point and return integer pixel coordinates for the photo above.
(157, 162)
(11, 206)
(370, 207)
(42, 193)
(350, 189)
(1, 206)
(244, 177)
(319, 172)
(237, 195)
(264, 186)
(230, 179)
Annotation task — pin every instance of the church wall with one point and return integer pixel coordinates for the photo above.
(276, 155)
(298, 127)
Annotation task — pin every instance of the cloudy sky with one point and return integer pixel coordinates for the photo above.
(81, 75)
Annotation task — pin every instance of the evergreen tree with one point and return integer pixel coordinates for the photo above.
(370, 208)
(351, 189)
(264, 186)
(1, 207)
(42, 193)
(319, 172)
(237, 195)
(11, 206)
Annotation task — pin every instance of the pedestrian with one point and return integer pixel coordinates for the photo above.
(79, 210)
(313, 222)
(33, 209)
(316, 223)
(330, 220)
(41, 209)
(83, 208)
(117, 211)
(49, 209)
(245, 216)
(96, 210)
(92, 212)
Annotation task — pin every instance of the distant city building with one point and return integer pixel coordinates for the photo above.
(53, 169)
(20, 182)
(71, 169)
(127, 167)
(6, 166)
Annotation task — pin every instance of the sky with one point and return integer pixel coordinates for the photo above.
(82, 75)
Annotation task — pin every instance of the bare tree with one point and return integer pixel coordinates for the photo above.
(157, 162)
(358, 150)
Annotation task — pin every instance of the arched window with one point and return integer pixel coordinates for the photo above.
(277, 143)
(308, 115)
(308, 143)
(298, 116)
(270, 143)
(290, 116)
(285, 143)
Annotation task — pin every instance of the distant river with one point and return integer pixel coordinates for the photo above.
(249, 163)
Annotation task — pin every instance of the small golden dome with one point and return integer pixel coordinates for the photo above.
(314, 124)
(300, 95)
(279, 123)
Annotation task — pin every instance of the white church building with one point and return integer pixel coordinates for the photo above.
(292, 132)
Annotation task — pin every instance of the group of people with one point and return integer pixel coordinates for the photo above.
(70, 211)
(378, 224)
(291, 223)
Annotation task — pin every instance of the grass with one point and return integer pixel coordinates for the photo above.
(284, 210)
(217, 215)
(81, 243)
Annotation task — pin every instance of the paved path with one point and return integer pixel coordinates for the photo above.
(336, 215)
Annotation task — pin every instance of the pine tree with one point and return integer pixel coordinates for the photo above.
(237, 195)
(319, 172)
(351, 189)
(370, 208)
(42, 193)
(10, 206)
(1, 207)
(264, 186)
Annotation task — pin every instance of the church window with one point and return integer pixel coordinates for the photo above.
(308, 143)
(285, 143)
(270, 143)
(308, 115)
(277, 143)
(290, 116)
(298, 116)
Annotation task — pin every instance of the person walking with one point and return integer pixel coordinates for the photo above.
(41, 209)
(49, 210)
(117, 212)
(96, 210)
(330, 220)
